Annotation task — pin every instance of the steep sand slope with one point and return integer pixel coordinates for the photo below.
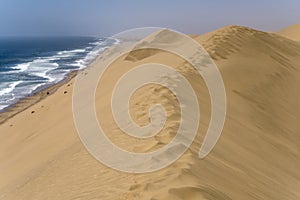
(257, 156)
(291, 32)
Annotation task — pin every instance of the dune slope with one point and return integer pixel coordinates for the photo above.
(257, 156)
(291, 32)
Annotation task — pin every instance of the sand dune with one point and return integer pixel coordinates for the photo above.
(257, 156)
(291, 32)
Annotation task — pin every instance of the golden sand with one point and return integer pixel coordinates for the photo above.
(257, 156)
(291, 32)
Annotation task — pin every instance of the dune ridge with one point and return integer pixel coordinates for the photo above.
(257, 156)
(255, 92)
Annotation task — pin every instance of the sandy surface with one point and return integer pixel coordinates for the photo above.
(257, 156)
(291, 32)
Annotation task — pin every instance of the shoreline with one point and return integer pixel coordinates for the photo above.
(42, 92)
(26, 102)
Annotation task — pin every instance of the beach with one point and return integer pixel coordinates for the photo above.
(257, 156)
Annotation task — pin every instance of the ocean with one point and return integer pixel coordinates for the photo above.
(31, 63)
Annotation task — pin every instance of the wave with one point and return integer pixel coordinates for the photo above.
(21, 67)
(101, 45)
(41, 67)
(9, 88)
(38, 67)
(71, 51)
(96, 43)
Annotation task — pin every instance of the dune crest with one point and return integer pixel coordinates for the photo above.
(261, 72)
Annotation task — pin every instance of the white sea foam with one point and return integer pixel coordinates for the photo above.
(71, 51)
(21, 67)
(9, 88)
(97, 43)
(2, 106)
(41, 67)
(100, 47)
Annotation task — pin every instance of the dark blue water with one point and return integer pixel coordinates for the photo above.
(28, 64)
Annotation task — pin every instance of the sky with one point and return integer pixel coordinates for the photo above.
(105, 18)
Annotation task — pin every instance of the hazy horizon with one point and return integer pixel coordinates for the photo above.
(100, 18)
